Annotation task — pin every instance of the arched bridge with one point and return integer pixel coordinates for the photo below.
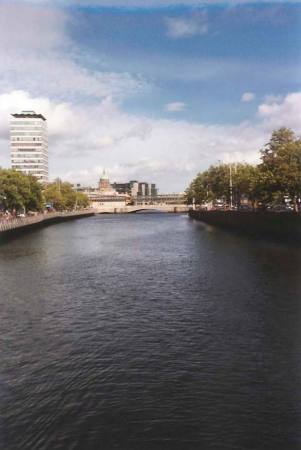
(136, 208)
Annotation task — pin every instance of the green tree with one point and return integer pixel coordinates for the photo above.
(245, 179)
(82, 200)
(214, 183)
(69, 195)
(62, 196)
(54, 196)
(280, 169)
(36, 201)
(19, 192)
(198, 189)
(277, 177)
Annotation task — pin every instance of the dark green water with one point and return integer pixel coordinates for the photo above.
(146, 332)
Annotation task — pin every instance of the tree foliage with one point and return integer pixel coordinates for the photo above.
(280, 168)
(19, 192)
(214, 183)
(61, 196)
(278, 176)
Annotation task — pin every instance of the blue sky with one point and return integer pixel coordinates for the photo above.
(170, 89)
(239, 49)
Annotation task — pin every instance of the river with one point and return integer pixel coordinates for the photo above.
(149, 332)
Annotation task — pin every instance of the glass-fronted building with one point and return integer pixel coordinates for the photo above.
(29, 144)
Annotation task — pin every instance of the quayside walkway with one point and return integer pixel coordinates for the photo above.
(27, 222)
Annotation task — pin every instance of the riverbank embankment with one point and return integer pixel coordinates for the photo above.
(259, 223)
(26, 223)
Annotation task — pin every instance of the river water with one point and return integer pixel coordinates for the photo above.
(149, 332)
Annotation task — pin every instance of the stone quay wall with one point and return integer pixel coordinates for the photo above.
(20, 223)
(261, 223)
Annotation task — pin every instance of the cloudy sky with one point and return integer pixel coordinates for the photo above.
(154, 90)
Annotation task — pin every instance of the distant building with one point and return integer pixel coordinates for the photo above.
(29, 144)
(104, 184)
(122, 188)
(170, 199)
(154, 190)
(105, 195)
(136, 189)
(118, 195)
(143, 190)
(131, 188)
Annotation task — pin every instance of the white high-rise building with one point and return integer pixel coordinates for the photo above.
(29, 144)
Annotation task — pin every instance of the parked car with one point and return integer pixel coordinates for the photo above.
(245, 208)
(219, 204)
(280, 208)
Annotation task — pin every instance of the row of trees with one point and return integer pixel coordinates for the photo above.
(21, 193)
(61, 196)
(277, 177)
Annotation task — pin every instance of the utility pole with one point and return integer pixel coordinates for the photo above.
(231, 187)
(58, 183)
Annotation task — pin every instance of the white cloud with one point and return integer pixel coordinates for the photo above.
(36, 54)
(59, 77)
(175, 107)
(282, 112)
(41, 28)
(272, 98)
(84, 139)
(186, 27)
(248, 97)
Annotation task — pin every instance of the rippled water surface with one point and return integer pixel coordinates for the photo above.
(146, 332)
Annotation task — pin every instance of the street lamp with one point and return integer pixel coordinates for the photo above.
(231, 188)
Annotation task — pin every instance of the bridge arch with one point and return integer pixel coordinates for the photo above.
(137, 208)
